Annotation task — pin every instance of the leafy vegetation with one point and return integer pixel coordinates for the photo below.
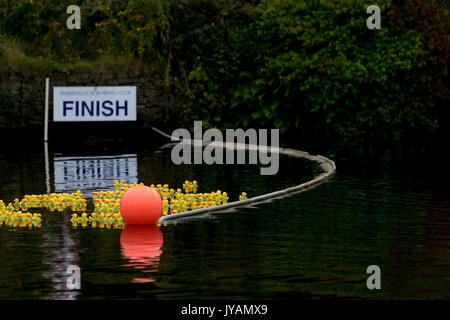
(309, 67)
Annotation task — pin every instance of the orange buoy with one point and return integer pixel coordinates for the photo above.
(141, 205)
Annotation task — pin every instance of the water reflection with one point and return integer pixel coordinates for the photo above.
(91, 173)
(61, 250)
(141, 245)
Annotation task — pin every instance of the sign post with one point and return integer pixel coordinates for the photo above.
(47, 80)
(47, 168)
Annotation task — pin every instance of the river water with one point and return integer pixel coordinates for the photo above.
(388, 207)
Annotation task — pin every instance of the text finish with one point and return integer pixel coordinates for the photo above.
(94, 104)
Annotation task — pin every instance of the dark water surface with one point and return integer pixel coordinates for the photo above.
(389, 207)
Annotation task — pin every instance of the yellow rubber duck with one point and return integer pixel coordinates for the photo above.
(101, 218)
(93, 217)
(84, 218)
(36, 217)
(16, 204)
(224, 197)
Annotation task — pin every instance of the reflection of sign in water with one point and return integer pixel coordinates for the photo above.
(94, 104)
(88, 173)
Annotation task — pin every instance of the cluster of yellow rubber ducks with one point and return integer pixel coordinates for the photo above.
(106, 213)
(175, 201)
(14, 218)
(181, 202)
(107, 203)
(16, 213)
(52, 202)
(98, 220)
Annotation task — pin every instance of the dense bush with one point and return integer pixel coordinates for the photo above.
(137, 28)
(306, 66)
(432, 24)
(314, 67)
(212, 41)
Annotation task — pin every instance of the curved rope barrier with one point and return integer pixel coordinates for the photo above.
(327, 165)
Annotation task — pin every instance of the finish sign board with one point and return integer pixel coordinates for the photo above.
(94, 104)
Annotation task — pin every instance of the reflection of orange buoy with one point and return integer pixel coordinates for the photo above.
(141, 205)
(141, 244)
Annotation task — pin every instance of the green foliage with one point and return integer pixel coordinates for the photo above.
(210, 40)
(431, 78)
(328, 72)
(312, 67)
(306, 66)
(136, 28)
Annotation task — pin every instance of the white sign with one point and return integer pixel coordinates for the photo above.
(94, 104)
(94, 173)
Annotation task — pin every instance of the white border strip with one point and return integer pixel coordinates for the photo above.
(327, 165)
